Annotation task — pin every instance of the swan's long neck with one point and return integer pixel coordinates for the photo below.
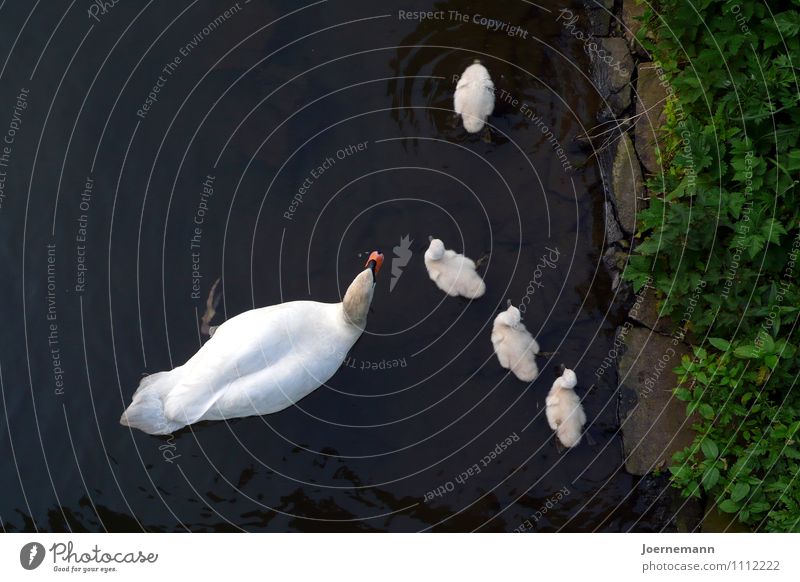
(358, 298)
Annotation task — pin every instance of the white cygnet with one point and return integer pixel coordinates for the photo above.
(474, 97)
(514, 345)
(565, 414)
(452, 272)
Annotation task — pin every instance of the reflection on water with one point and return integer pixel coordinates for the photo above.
(324, 134)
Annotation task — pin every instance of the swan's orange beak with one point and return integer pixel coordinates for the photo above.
(375, 262)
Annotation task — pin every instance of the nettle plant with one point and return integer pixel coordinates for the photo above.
(722, 233)
(746, 453)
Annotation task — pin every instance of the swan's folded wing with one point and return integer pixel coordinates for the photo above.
(239, 348)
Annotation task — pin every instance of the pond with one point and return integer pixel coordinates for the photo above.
(272, 145)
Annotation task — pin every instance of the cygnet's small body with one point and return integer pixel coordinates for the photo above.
(515, 347)
(474, 97)
(452, 272)
(565, 414)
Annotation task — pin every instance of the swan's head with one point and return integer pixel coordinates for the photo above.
(568, 378)
(510, 317)
(358, 297)
(374, 264)
(435, 250)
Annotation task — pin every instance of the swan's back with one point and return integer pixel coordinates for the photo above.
(258, 362)
(269, 357)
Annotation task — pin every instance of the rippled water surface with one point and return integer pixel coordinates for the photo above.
(162, 146)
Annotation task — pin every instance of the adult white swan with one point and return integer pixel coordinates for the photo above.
(258, 362)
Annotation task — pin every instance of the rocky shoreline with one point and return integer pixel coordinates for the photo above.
(653, 422)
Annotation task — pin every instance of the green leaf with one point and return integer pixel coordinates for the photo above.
(728, 506)
(748, 352)
(706, 411)
(791, 452)
(755, 243)
(680, 472)
(772, 230)
(788, 23)
(710, 478)
(709, 448)
(765, 343)
(719, 343)
(740, 491)
(758, 507)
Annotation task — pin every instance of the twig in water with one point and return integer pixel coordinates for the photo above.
(211, 308)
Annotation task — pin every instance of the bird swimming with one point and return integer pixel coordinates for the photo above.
(515, 347)
(474, 97)
(452, 272)
(564, 412)
(258, 362)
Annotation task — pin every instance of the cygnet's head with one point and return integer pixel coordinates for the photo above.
(568, 379)
(435, 250)
(476, 73)
(510, 317)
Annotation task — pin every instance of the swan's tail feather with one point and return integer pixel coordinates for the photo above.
(148, 380)
(146, 412)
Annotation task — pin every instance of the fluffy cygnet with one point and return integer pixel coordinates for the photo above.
(564, 411)
(474, 97)
(452, 272)
(514, 345)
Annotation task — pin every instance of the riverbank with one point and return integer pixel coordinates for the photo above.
(701, 238)
(653, 423)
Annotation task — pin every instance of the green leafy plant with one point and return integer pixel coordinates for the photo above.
(746, 453)
(722, 235)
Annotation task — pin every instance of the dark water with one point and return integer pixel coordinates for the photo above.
(101, 281)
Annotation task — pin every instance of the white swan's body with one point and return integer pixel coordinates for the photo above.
(452, 272)
(565, 414)
(515, 347)
(474, 97)
(258, 362)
